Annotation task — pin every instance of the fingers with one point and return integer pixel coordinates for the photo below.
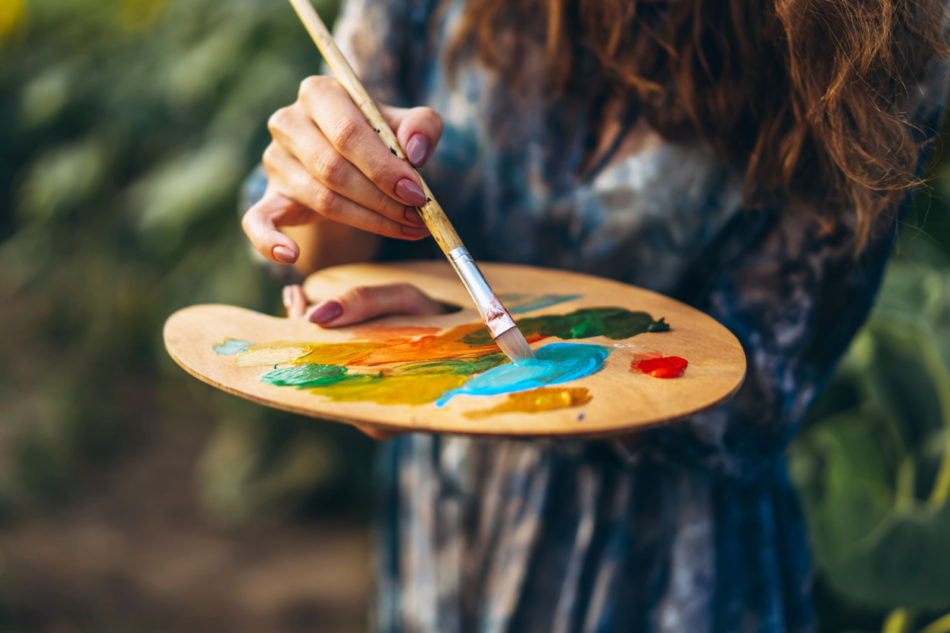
(369, 302)
(295, 301)
(377, 434)
(418, 131)
(348, 132)
(289, 176)
(328, 158)
(295, 132)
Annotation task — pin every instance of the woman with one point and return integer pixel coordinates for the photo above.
(748, 157)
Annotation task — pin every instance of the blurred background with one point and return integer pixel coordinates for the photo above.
(133, 497)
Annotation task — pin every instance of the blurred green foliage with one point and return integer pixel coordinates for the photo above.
(872, 461)
(126, 129)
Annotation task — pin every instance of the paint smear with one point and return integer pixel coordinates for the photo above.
(662, 367)
(232, 346)
(303, 376)
(394, 333)
(553, 364)
(403, 383)
(519, 303)
(613, 323)
(415, 366)
(536, 401)
(412, 389)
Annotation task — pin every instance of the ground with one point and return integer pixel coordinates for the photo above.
(110, 561)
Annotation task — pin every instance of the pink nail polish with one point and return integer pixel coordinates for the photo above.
(411, 215)
(284, 255)
(288, 296)
(325, 312)
(417, 149)
(414, 231)
(410, 192)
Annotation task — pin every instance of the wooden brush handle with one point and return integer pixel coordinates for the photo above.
(431, 212)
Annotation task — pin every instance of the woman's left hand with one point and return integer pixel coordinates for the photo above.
(360, 304)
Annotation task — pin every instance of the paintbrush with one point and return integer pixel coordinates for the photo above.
(500, 324)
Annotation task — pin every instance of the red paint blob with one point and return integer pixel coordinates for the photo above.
(662, 367)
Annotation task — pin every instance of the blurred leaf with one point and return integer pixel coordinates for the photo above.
(194, 76)
(184, 189)
(872, 476)
(12, 17)
(45, 97)
(940, 625)
(903, 565)
(62, 178)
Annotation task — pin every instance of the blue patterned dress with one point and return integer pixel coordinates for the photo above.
(690, 528)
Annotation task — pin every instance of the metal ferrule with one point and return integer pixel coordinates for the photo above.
(493, 312)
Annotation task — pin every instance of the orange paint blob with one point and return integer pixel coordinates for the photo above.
(395, 333)
(661, 367)
(338, 353)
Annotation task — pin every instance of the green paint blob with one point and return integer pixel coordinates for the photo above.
(304, 376)
(613, 323)
(232, 346)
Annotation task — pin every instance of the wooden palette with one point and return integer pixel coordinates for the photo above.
(389, 390)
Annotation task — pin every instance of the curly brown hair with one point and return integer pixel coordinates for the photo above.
(810, 97)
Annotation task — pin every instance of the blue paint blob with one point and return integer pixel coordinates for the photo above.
(553, 364)
(232, 346)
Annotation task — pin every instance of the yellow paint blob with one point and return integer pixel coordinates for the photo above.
(412, 389)
(266, 354)
(536, 400)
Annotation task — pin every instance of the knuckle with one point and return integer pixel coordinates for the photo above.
(345, 133)
(311, 86)
(360, 295)
(434, 119)
(324, 200)
(380, 174)
(279, 120)
(269, 157)
(331, 167)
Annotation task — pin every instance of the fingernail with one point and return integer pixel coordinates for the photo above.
(284, 254)
(325, 312)
(417, 149)
(413, 216)
(414, 231)
(410, 192)
(288, 294)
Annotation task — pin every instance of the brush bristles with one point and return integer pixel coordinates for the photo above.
(514, 345)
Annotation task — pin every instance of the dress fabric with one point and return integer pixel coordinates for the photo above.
(692, 527)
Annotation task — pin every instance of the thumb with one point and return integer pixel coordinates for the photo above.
(418, 130)
(369, 302)
(261, 223)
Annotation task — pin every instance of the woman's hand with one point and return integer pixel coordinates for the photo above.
(357, 305)
(326, 162)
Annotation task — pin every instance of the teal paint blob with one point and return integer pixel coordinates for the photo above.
(232, 346)
(304, 376)
(553, 364)
(519, 303)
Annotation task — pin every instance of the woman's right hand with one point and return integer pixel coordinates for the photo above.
(325, 161)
